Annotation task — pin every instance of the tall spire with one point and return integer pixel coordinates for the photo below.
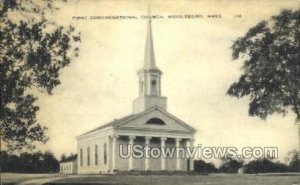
(149, 49)
(149, 79)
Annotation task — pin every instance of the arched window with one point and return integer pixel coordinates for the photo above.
(155, 121)
(105, 153)
(88, 156)
(96, 154)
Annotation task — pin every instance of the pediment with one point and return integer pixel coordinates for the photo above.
(155, 119)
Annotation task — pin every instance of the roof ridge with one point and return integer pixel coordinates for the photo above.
(110, 123)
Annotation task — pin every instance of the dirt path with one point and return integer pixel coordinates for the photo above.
(40, 181)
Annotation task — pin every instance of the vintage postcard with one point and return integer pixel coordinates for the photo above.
(150, 92)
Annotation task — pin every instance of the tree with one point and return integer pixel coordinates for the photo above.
(271, 77)
(36, 162)
(230, 166)
(33, 50)
(265, 166)
(62, 157)
(71, 157)
(203, 167)
(293, 161)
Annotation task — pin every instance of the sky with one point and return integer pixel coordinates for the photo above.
(194, 55)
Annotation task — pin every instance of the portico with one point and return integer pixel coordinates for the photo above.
(173, 142)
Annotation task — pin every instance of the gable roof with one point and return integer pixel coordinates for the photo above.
(119, 122)
(182, 123)
(109, 124)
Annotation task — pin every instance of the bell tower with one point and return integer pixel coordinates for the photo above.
(149, 79)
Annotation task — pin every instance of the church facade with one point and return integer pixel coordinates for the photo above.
(149, 125)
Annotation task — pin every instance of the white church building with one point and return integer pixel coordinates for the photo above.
(150, 124)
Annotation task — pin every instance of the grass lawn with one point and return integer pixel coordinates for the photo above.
(182, 180)
(212, 179)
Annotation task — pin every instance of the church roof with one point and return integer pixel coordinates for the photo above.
(110, 124)
(118, 122)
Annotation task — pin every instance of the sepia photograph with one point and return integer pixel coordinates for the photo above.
(175, 92)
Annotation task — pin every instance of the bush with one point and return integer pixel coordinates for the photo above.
(203, 167)
(29, 162)
(230, 166)
(265, 166)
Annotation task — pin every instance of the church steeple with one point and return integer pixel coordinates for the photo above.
(149, 78)
(149, 75)
(149, 49)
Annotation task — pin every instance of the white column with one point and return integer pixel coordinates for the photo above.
(108, 154)
(163, 145)
(191, 143)
(131, 143)
(147, 143)
(114, 144)
(177, 153)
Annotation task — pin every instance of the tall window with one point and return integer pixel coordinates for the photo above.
(105, 153)
(88, 156)
(96, 154)
(153, 82)
(153, 86)
(141, 87)
(81, 157)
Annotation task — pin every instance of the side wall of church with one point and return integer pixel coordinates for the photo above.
(94, 154)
